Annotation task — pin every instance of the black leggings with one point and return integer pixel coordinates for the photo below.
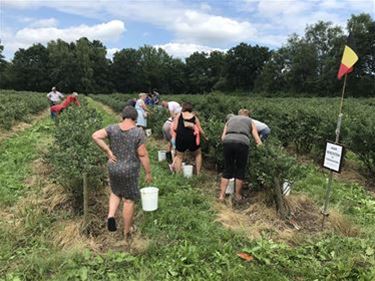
(235, 160)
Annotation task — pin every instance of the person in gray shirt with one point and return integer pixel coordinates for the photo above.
(236, 140)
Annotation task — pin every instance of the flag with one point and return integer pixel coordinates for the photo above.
(349, 58)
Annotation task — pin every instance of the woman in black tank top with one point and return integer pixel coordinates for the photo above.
(186, 136)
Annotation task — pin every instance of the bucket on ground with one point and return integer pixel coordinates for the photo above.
(188, 171)
(148, 132)
(230, 187)
(149, 198)
(287, 186)
(162, 155)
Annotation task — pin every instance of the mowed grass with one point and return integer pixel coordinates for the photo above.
(16, 156)
(184, 240)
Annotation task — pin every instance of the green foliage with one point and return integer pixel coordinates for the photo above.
(304, 124)
(16, 156)
(73, 151)
(18, 106)
(185, 240)
(303, 65)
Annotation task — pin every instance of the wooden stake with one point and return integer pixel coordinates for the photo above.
(85, 202)
(325, 212)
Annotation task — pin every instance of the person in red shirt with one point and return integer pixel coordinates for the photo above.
(56, 109)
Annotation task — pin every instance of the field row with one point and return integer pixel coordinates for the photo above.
(18, 106)
(305, 124)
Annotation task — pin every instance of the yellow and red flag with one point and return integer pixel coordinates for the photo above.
(349, 58)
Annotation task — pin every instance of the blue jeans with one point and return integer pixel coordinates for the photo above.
(263, 134)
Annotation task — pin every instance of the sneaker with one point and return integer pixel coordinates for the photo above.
(111, 224)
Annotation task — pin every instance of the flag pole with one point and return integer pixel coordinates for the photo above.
(325, 212)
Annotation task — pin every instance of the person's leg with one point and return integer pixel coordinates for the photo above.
(239, 185)
(223, 186)
(114, 202)
(128, 214)
(198, 160)
(177, 162)
(241, 154)
(228, 169)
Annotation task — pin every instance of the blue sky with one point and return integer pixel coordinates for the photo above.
(179, 26)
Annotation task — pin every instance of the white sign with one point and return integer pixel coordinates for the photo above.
(333, 156)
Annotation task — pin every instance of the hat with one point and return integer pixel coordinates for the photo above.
(53, 88)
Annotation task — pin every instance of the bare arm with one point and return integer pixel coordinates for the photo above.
(174, 126)
(198, 123)
(255, 134)
(224, 132)
(145, 161)
(99, 137)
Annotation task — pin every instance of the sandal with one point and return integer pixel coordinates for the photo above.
(111, 224)
(240, 200)
(128, 236)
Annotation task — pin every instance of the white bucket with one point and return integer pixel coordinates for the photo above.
(149, 196)
(148, 132)
(230, 187)
(287, 186)
(162, 155)
(188, 171)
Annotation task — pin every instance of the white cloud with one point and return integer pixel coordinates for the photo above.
(111, 52)
(25, 37)
(202, 28)
(183, 50)
(188, 25)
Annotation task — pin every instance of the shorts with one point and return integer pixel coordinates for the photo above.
(235, 160)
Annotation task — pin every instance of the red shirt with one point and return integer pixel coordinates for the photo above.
(70, 99)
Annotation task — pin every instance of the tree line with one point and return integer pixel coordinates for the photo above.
(305, 64)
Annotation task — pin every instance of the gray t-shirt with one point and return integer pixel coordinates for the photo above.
(238, 130)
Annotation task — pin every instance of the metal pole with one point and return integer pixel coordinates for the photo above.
(325, 212)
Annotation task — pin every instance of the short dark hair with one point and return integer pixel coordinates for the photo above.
(129, 112)
(187, 106)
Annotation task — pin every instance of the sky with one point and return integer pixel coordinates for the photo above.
(181, 27)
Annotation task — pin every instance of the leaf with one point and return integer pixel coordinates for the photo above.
(369, 251)
(245, 256)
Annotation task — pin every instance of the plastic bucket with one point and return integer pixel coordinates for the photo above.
(230, 187)
(162, 155)
(149, 197)
(148, 132)
(188, 171)
(287, 186)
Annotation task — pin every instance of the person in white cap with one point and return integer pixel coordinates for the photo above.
(173, 107)
(54, 96)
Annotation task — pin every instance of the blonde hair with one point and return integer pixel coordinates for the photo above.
(142, 95)
(244, 112)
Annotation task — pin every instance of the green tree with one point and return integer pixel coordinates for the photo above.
(244, 64)
(198, 73)
(362, 28)
(4, 70)
(126, 71)
(327, 41)
(63, 67)
(29, 69)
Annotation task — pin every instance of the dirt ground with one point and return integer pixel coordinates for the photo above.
(257, 218)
